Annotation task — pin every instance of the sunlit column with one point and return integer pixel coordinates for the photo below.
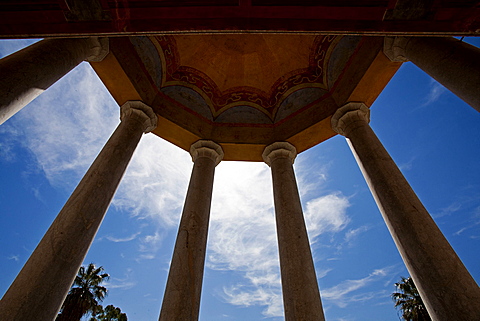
(27, 73)
(453, 63)
(41, 286)
(184, 286)
(447, 289)
(301, 297)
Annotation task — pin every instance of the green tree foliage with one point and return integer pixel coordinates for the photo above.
(109, 313)
(408, 300)
(85, 295)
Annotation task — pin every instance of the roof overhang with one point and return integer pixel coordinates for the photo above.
(74, 18)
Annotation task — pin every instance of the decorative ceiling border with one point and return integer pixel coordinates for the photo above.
(313, 76)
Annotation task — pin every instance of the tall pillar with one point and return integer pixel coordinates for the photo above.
(27, 73)
(42, 285)
(447, 289)
(301, 297)
(453, 63)
(181, 300)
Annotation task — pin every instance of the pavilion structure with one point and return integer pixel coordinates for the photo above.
(249, 80)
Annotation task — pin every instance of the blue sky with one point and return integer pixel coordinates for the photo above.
(431, 134)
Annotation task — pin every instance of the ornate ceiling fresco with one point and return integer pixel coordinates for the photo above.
(245, 91)
(227, 79)
(228, 71)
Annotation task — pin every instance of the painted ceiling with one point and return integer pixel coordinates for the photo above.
(238, 79)
(245, 91)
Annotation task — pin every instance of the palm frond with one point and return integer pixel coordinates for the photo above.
(409, 302)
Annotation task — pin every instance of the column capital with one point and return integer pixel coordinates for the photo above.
(394, 48)
(348, 115)
(206, 148)
(141, 112)
(279, 150)
(99, 49)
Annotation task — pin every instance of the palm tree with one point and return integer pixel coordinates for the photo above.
(409, 301)
(85, 294)
(109, 313)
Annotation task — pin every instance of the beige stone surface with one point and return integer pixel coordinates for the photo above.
(98, 49)
(301, 297)
(29, 72)
(445, 285)
(41, 286)
(453, 63)
(181, 300)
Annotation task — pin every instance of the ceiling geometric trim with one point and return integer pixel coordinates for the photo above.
(201, 86)
(312, 75)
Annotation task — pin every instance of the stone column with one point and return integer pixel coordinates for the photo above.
(447, 289)
(301, 297)
(27, 73)
(181, 300)
(42, 285)
(451, 62)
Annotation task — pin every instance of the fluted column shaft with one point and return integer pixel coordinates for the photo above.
(453, 63)
(27, 73)
(446, 287)
(301, 297)
(42, 285)
(181, 300)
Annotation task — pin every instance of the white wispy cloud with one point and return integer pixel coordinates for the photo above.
(460, 231)
(408, 165)
(156, 181)
(124, 283)
(7, 144)
(321, 273)
(119, 285)
(450, 209)
(352, 234)
(122, 239)
(243, 235)
(436, 90)
(150, 244)
(473, 223)
(66, 127)
(262, 296)
(342, 293)
(312, 176)
(15, 258)
(326, 214)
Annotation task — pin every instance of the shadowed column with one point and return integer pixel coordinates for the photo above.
(453, 63)
(301, 297)
(41, 286)
(446, 287)
(181, 300)
(25, 74)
